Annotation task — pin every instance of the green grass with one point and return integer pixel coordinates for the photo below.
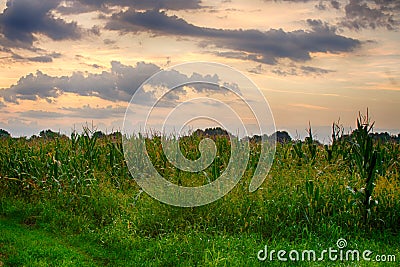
(27, 245)
(72, 202)
(22, 244)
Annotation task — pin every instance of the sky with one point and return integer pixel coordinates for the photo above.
(64, 64)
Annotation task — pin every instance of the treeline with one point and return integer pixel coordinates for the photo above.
(49, 134)
(279, 136)
(284, 137)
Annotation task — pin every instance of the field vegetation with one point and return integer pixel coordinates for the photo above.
(71, 201)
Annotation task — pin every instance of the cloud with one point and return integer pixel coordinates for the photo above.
(321, 5)
(20, 127)
(363, 14)
(23, 18)
(43, 59)
(80, 7)
(40, 114)
(257, 69)
(307, 106)
(165, 4)
(118, 84)
(314, 70)
(85, 6)
(32, 87)
(109, 42)
(261, 46)
(288, 72)
(295, 1)
(7, 45)
(335, 4)
(96, 113)
(83, 112)
(172, 78)
(243, 55)
(294, 70)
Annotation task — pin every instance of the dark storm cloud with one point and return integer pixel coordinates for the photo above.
(261, 46)
(23, 18)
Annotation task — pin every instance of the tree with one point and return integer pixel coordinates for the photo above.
(4, 134)
(99, 134)
(49, 134)
(282, 137)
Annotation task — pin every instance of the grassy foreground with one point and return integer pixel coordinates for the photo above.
(72, 202)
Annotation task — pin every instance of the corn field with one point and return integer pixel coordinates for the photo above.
(351, 183)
